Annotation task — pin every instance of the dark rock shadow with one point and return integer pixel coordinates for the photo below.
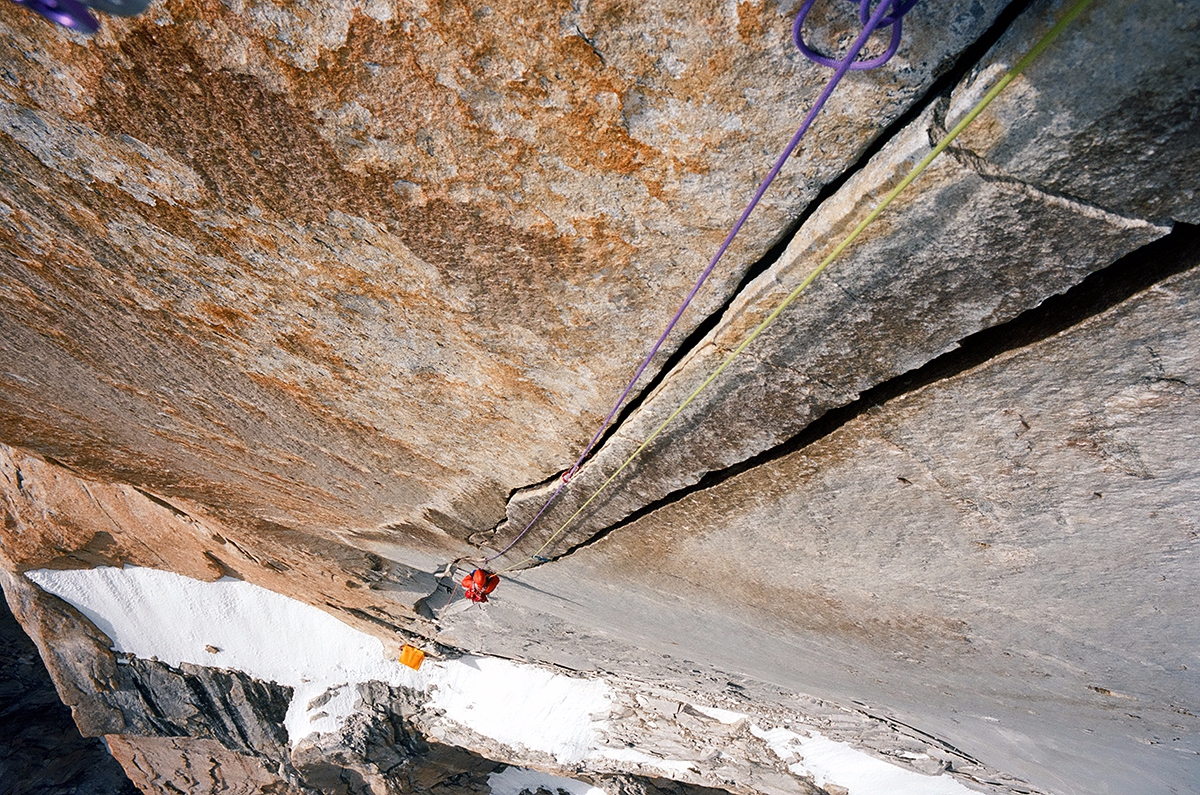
(41, 750)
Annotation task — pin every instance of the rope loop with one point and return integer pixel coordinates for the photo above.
(899, 9)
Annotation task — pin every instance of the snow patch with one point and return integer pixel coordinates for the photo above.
(234, 624)
(831, 762)
(175, 619)
(723, 715)
(515, 780)
(524, 705)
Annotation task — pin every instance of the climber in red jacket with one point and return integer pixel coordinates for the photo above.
(478, 584)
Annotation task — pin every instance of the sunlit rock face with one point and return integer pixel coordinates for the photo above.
(1051, 184)
(319, 300)
(375, 266)
(1005, 557)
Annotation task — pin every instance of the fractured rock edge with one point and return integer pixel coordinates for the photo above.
(1125, 234)
(965, 61)
(1140, 270)
(1003, 558)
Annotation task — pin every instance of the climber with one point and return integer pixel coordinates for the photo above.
(478, 584)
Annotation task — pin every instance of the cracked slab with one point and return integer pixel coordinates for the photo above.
(1005, 559)
(362, 269)
(971, 244)
(1128, 146)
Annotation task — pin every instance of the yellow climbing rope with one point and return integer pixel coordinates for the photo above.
(1073, 12)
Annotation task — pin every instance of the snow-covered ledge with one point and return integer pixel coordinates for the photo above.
(233, 624)
(175, 619)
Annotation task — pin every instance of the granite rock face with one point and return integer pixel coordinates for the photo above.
(186, 764)
(380, 750)
(316, 295)
(1006, 559)
(989, 231)
(42, 752)
(373, 266)
(1128, 148)
(111, 694)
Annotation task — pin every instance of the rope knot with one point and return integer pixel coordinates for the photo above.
(899, 9)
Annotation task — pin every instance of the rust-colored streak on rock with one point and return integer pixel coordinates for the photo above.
(308, 345)
(253, 147)
(250, 147)
(750, 26)
(59, 247)
(409, 106)
(225, 320)
(507, 274)
(349, 266)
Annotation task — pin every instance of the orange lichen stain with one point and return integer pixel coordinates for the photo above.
(25, 71)
(538, 78)
(254, 146)
(224, 318)
(612, 250)
(249, 147)
(412, 657)
(297, 392)
(750, 25)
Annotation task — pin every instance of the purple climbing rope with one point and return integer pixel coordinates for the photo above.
(871, 21)
(77, 15)
(68, 13)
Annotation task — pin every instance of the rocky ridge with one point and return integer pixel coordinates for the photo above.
(43, 752)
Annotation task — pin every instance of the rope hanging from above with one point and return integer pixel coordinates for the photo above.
(1074, 11)
(872, 21)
